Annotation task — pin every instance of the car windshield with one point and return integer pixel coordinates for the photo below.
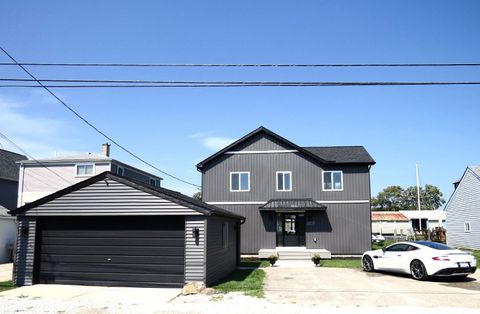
(434, 245)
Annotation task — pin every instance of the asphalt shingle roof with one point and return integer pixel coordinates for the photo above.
(342, 154)
(8, 168)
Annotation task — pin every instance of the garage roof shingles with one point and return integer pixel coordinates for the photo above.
(388, 216)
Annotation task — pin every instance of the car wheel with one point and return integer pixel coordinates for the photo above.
(418, 271)
(367, 264)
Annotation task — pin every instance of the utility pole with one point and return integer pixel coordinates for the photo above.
(418, 187)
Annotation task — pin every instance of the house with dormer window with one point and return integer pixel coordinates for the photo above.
(296, 200)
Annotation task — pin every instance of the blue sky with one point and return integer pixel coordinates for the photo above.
(437, 127)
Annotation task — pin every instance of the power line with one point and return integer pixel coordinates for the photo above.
(245, 84)
(32, 158)
(93, 126)
(239, 65)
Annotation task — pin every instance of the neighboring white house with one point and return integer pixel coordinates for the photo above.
(389, 223)
(42, 177)
(8, 233)
(463, 211)
(424, 219)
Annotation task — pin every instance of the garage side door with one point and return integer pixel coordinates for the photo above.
(116, 251)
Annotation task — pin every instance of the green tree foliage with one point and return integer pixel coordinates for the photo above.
(394, 198)
(389, 199)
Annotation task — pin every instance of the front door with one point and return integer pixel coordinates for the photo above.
(291, 229)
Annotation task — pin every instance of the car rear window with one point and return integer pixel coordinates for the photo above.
(434, 245)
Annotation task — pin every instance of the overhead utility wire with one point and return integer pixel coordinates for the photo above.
(239, 65)
(93, 126)
(246, 84)
(31, 157)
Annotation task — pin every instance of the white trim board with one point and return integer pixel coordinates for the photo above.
(278, 151)
(262, 203)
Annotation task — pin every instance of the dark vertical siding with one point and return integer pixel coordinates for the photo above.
(306, 178)
(261, 142)
(195, 255)
(258, 231)
(341, 229)
(220, 261)
(24, 252)
(8, 193)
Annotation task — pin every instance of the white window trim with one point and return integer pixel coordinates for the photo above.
(276, 181)
(332, 189)
(239, 183)
(469, 227)
(84, 175)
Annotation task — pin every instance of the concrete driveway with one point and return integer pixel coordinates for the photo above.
(94, 294)
(353, 287)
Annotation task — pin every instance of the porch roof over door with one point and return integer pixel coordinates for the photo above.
(298, 204)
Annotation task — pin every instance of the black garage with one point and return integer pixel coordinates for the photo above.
(112, 231)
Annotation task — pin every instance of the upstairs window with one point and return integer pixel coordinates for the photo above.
(239, 181)
(284, 181)
(85, 170)
(466, 226)
(154, 182)
(120, 171)
(333, 181)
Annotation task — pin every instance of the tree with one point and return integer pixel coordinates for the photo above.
(389, 199)
(394, 198)
(197, 195)
(430, 198)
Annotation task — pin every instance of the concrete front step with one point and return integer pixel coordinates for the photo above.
(294, 253)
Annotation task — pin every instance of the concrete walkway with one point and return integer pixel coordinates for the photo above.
(353, 287)
(6, 271)
(94, 293)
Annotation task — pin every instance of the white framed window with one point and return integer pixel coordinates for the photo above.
(225, 235)
(332, 180)
(120, 171)
(466, 226)
(84, 170)
(284, 181)
(239, 181)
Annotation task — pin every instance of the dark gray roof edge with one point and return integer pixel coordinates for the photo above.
(254, 132)
(12, 153)
(171, 195)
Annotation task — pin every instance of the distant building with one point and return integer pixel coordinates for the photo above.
(463, 211)
(8, 201)
(424, 219)
(389, 223)
(42, 177)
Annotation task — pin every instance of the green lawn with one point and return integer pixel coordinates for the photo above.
(254, 263)
(477, 256)
(6, 285)
(341, 263)
(377, 246)
(248, 281)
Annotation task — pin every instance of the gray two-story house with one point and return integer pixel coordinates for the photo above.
(310, 198)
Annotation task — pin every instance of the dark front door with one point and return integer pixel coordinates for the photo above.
(291, 229)
(111, 251)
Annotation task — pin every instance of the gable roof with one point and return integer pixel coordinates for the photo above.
(474, 170)
(8, 167)
(325, 155)
(388, 216)
(167, 194)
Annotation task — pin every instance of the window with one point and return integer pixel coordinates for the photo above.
(284, 180)
(84, 170)
(239, 181)
(225, 235)
(333, 181)
(419, 224)
(466, 226)
(120, 171)
(154, 182)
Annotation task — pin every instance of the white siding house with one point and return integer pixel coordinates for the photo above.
(463, 211)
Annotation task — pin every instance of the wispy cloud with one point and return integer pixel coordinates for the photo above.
(212, 142)
(36, 135)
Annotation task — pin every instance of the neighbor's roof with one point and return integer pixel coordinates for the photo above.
(476, 170)
(388, 216)
(293, 204)
(72, 158)
(167, 194)
(8, 167)
(325, 155)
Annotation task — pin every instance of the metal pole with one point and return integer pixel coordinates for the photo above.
(418, 187)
